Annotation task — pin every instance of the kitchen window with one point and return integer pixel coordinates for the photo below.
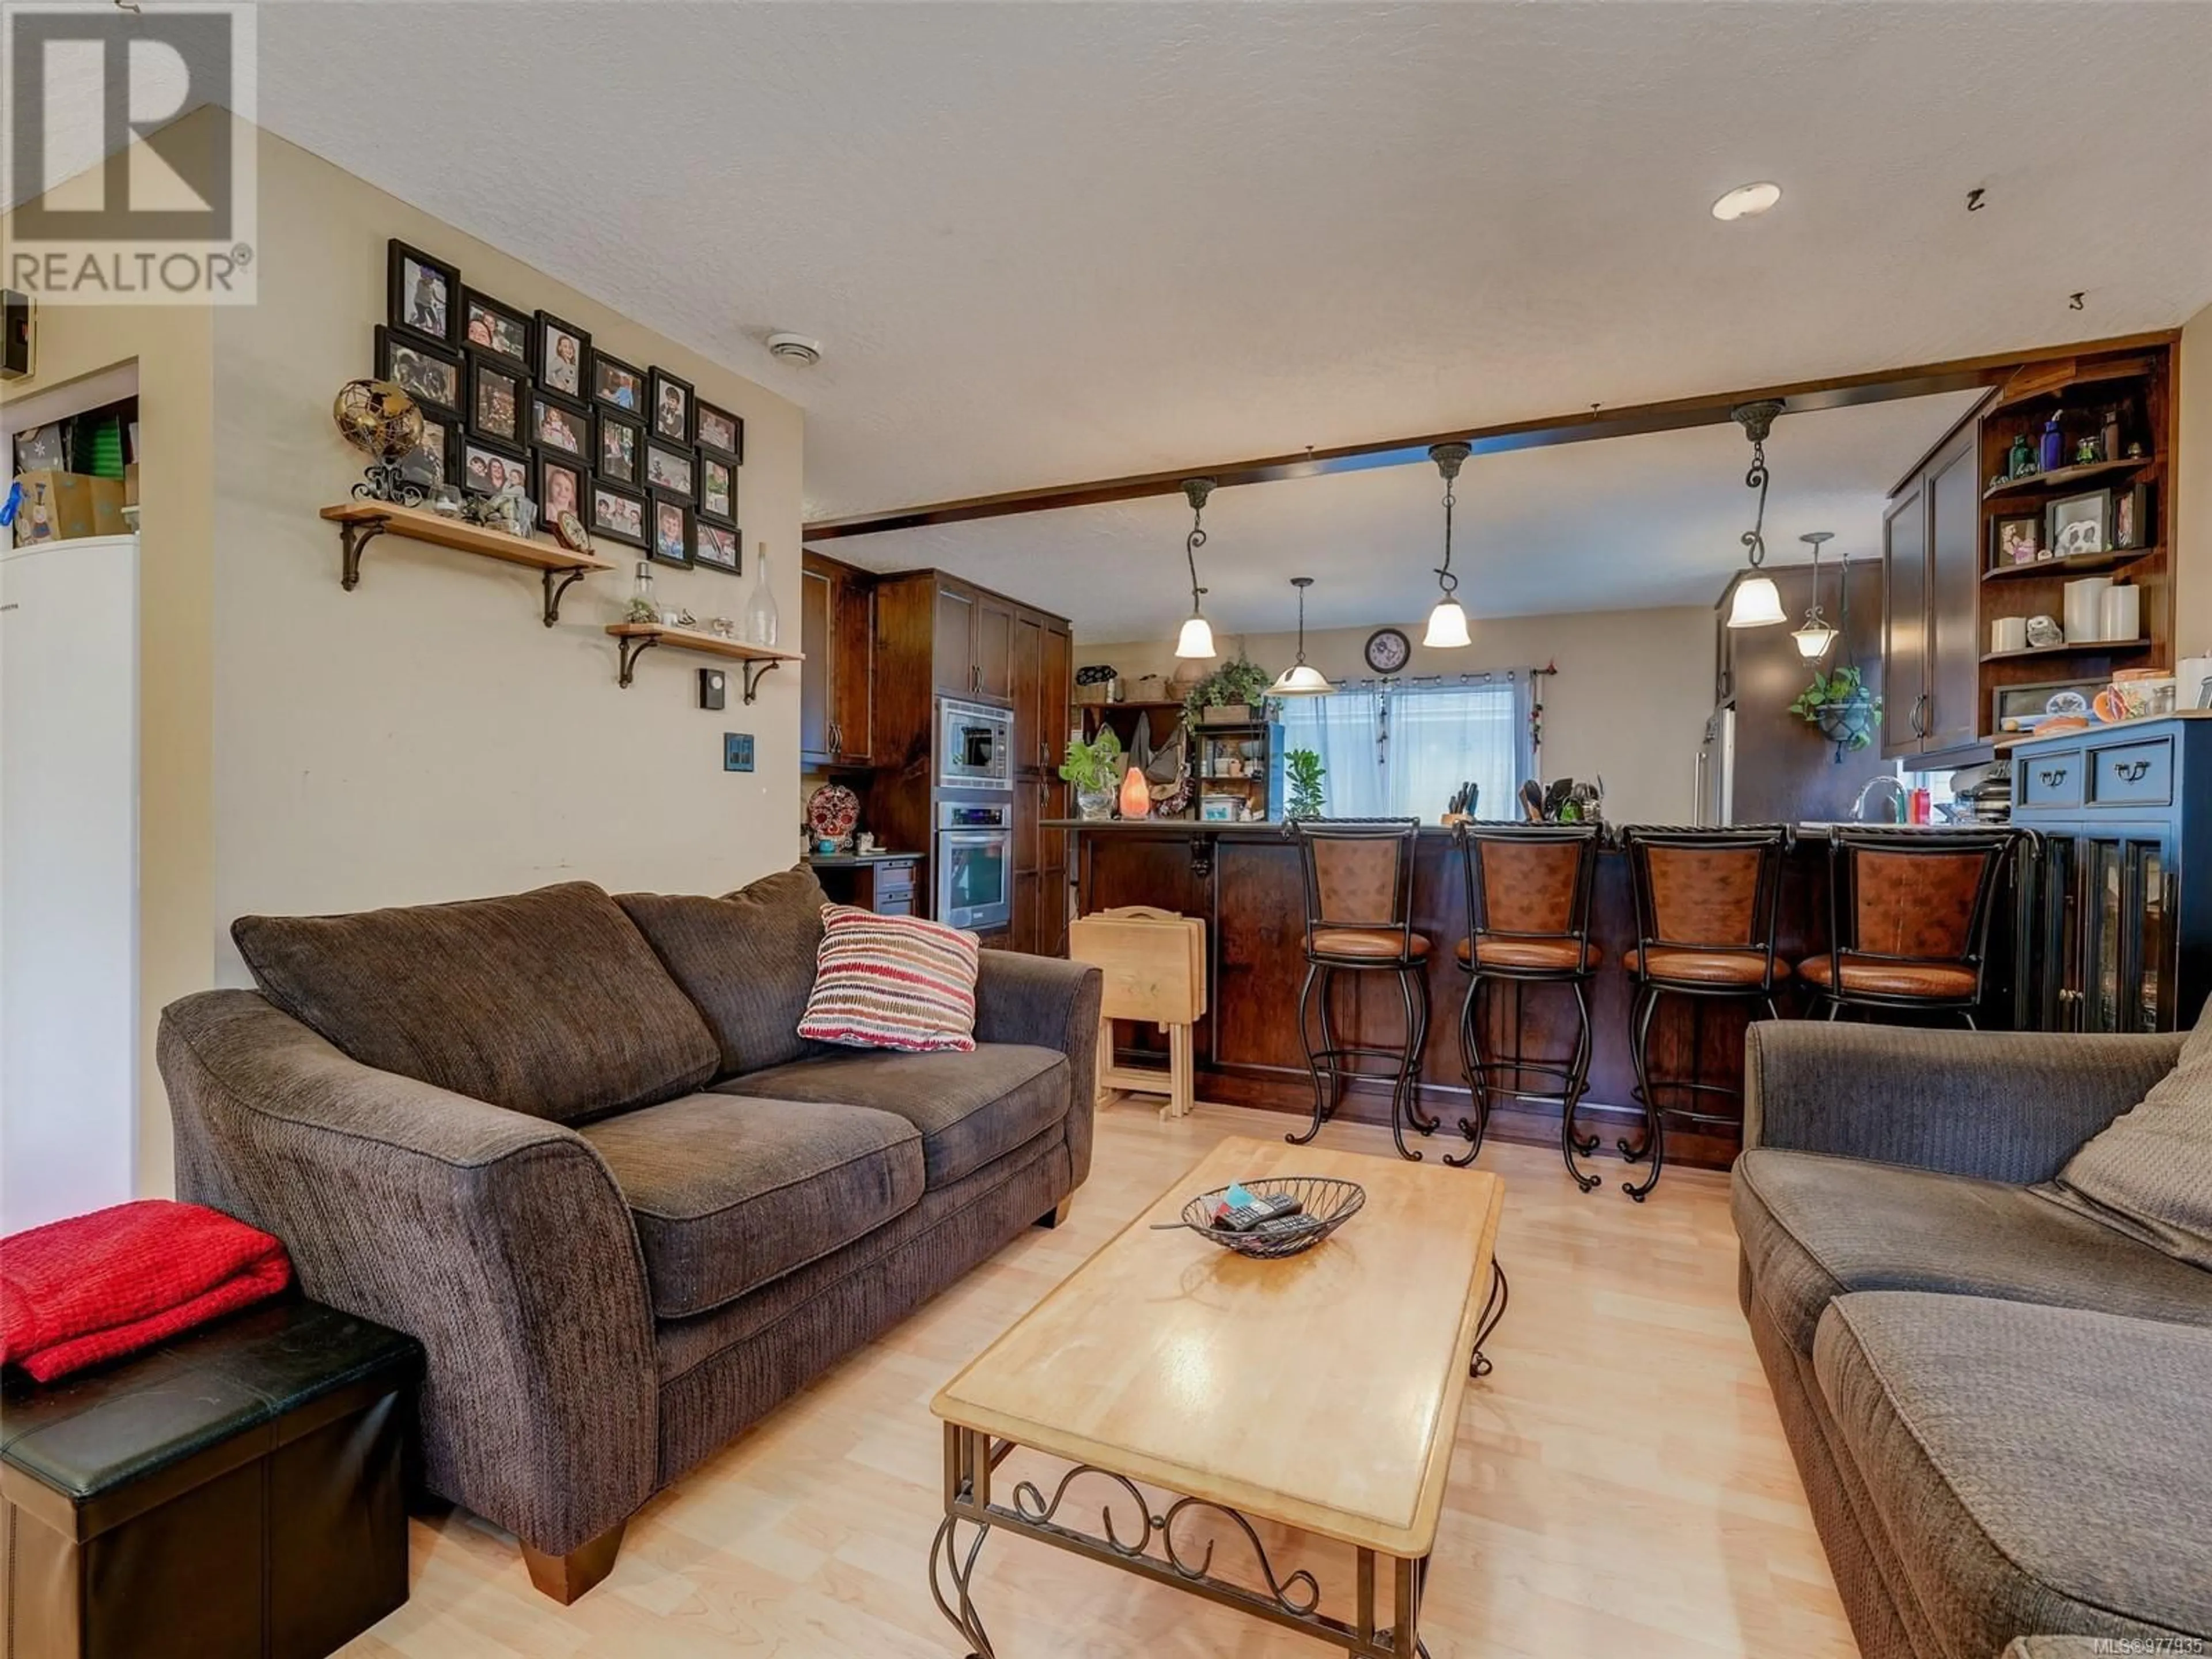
(1403, 749)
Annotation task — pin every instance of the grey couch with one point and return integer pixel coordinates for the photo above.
(573, 1144)
(2001, 1407)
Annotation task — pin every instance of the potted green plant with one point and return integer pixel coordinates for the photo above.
(1303, 770)
(1839, 704)
(1231, 695)
(1094, 768)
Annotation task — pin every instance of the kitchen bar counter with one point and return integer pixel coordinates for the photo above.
(1243, 879)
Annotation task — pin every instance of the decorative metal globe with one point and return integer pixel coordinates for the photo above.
(381, 421)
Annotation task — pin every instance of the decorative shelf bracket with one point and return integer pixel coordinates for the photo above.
(633, 646)
(354, 535)
(553, 590)
(752, 671)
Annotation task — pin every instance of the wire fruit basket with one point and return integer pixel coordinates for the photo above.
(1325, 1204)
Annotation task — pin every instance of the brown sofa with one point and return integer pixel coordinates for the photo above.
(1998, 1402)
(573, 1144)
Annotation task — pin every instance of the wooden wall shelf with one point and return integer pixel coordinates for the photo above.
(2059, 478)
(2073, 564)
(362, 522)
(2086, 648)
(635, 639)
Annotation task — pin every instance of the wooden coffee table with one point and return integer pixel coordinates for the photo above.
(1321, 1392)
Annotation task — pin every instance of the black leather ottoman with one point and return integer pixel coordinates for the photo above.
(236, 1493)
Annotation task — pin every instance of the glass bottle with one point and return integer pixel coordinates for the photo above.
(760, 619)
(644, 604)
(2054, 445)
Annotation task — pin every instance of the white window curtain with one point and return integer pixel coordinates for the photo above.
(1403, 748)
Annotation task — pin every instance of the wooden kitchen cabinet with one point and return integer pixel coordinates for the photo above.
(837, 631)
(974, 642)
(1932, 579)
(937, 636)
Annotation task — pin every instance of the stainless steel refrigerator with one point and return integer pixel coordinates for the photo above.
(1716, 792)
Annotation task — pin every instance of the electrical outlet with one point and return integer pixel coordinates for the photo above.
(737, 751)
(714, 687)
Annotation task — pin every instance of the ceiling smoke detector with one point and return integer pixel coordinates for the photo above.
(795, 349)
(1746, 201)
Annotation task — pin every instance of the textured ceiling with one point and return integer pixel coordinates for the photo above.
(1617, 525)
(1055, 241)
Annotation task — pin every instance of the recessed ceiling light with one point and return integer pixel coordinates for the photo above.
(1746, 201)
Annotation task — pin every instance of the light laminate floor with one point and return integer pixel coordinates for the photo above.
(1621, 1484)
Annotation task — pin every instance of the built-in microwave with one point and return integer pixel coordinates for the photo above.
(975, 865)
(974, 745)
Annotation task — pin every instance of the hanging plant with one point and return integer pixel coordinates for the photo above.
(1838, 704)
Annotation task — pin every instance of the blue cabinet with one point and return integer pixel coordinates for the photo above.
(2122, 936)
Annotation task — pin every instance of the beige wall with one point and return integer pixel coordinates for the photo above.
(1629, 703)
(422, 737)
(2193, 478)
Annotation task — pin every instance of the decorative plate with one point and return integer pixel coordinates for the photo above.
(1389, 650)
(570, 531)
(2066, 702)
(832, 811)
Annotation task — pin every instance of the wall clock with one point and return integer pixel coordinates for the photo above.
(1389, 650)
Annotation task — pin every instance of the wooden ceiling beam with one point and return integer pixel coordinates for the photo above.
(1883, 385)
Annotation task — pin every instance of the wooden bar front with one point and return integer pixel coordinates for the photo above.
(1244, 880)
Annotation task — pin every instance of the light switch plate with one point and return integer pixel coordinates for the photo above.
(737, 751)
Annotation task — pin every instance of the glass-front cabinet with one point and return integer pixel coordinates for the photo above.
(2124, 921)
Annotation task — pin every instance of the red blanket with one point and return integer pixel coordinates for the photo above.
(75, 1292)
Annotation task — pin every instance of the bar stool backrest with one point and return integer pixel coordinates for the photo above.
(1915, 897)
(1707, 890)
(1527, 881)
(1359, 873)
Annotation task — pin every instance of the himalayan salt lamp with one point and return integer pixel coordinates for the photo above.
(1136, 794)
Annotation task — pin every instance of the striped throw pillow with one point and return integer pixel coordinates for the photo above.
(891, 982)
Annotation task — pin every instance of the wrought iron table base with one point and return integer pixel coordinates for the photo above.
(970, 1457)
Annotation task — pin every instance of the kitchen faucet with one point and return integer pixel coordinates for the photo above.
(1896, 790)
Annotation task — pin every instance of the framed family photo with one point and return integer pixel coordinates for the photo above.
(714, 546)
(561, 483)
(718, 489)
(421, 294)
(671, 523)
(558, 425)
(488, 468)
(671, 408)
(617, 384)
(721, 434)
(431, 376)
(670, 470)
(621, 443)
(496, 392)
(487, 324)
(2014, 541)
(434, 460)
(564, 351)
(616, 513)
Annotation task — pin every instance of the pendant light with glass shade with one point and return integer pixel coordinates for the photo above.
(1447, 621)
(1757, 602)
(1299, 680)
(1814, 638)
(1196, 639)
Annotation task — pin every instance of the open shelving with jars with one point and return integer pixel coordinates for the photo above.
(2108, 421)
(637, 638)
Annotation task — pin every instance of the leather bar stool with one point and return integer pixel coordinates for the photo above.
(1706, 904)
(1359, 920)
(1528, 923)
(1908, 919)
